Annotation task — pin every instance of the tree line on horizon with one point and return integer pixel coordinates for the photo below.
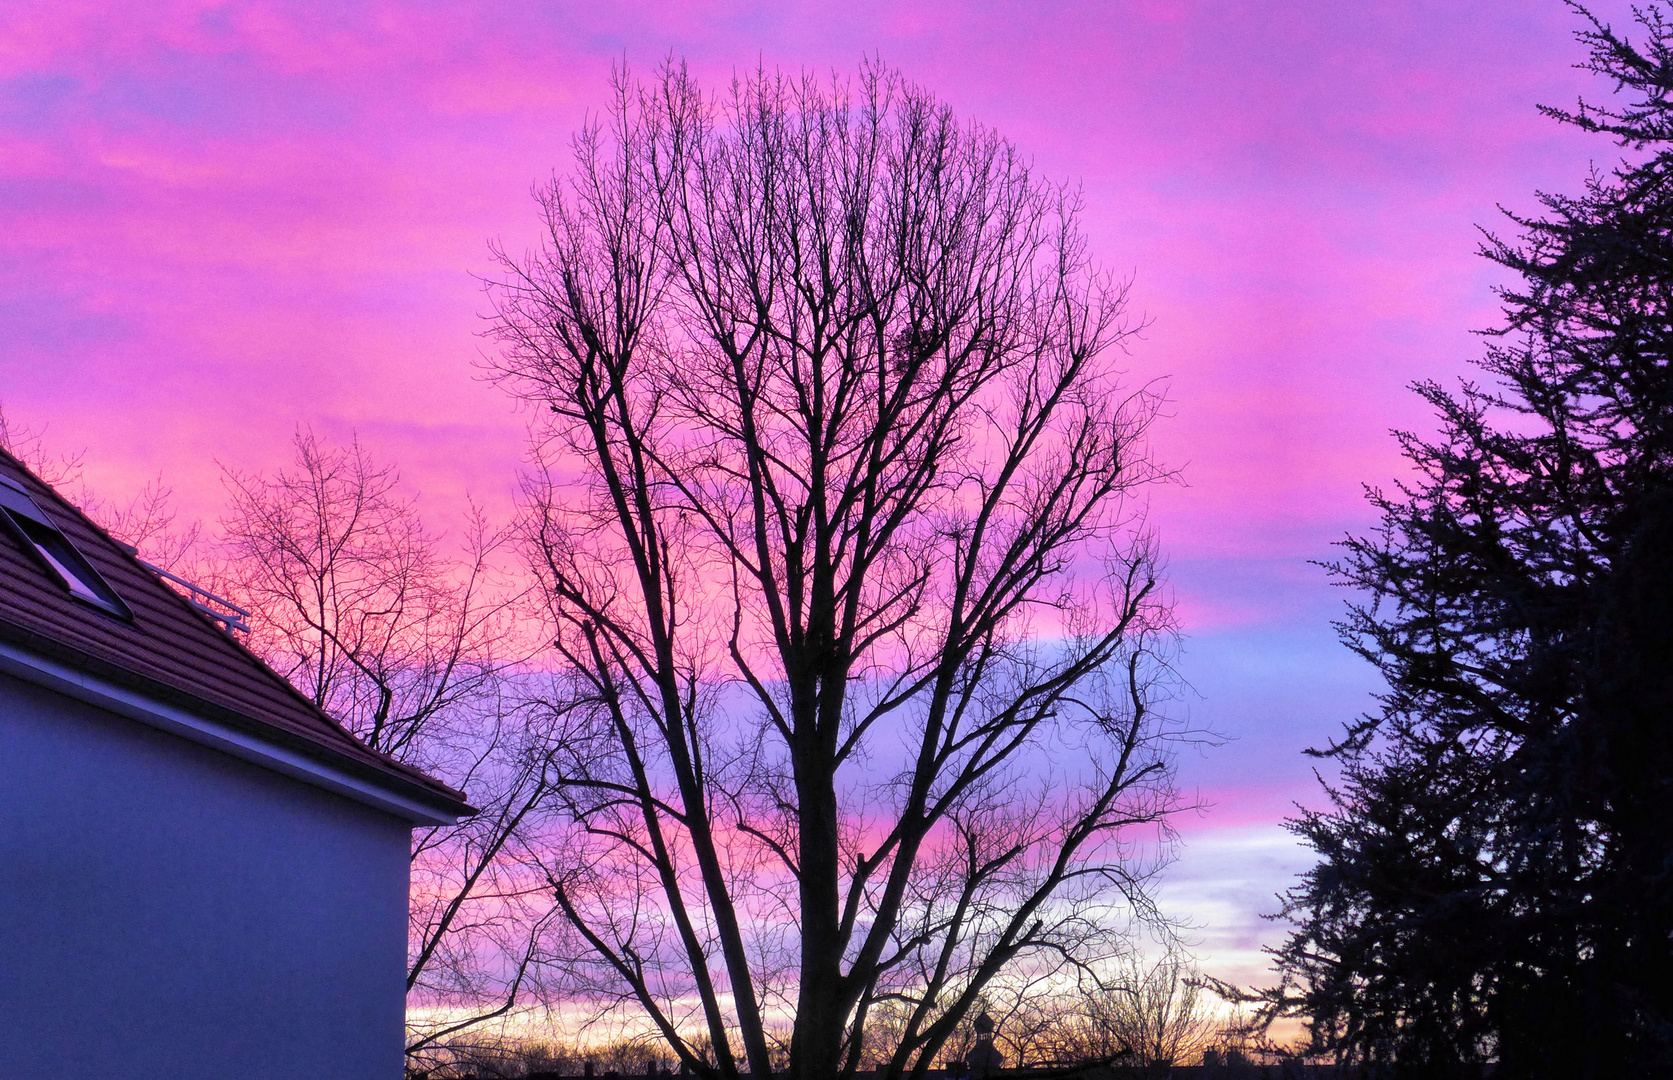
(816, 700)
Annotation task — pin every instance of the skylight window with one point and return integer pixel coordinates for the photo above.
(39, 535)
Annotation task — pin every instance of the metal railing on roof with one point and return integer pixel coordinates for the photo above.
(224, 611)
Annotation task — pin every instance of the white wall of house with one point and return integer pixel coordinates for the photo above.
(169, 911)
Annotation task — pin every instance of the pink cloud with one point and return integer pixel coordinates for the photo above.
(222, 220)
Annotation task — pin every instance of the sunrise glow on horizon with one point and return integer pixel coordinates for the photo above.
(226, 221)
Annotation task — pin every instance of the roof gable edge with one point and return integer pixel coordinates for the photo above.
(247, 742)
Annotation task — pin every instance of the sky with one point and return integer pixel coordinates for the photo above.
(220, 221)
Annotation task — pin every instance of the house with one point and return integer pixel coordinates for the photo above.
(201, 873)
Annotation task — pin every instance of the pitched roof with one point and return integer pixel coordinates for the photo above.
(173, 653)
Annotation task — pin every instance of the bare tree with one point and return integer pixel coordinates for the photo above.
(28, 445)
(856, 615)
(359, 609)
(354, 601)
(1143, 1012)
(146, 521)
(1156, 1012)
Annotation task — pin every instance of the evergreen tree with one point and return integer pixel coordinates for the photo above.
(1496, 874)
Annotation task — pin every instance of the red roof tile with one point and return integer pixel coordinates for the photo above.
(173, 652)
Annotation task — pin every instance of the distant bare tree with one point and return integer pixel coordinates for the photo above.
(856, 615)
(147, 521)
(359, 608)
(28, 445)
(1139, 1012)
(354, 601)
(1157, 1012)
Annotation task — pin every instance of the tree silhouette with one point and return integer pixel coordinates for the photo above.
(1497, 869)
(359, 605)
(856, 612)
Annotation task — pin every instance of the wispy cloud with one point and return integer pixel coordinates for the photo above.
(223, 219)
